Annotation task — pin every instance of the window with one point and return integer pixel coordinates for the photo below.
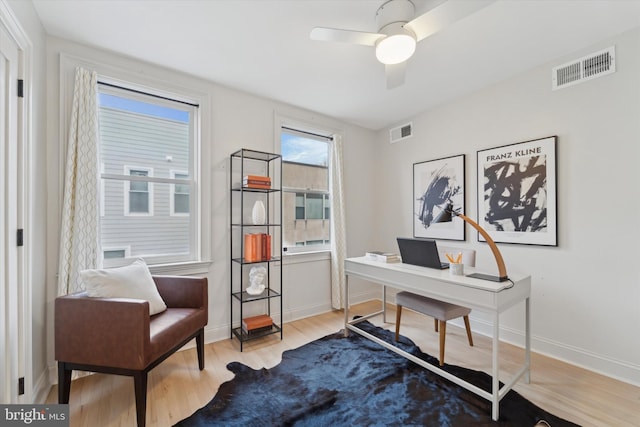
(305, 182)
(148, 154)
(113, 253)
(138, 194)
(180, 195)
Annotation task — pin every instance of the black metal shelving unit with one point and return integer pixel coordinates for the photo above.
(244, 162)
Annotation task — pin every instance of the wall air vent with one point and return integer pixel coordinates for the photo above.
(401, 132)
(586, 68)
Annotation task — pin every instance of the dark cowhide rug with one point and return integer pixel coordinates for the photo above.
(338, 381)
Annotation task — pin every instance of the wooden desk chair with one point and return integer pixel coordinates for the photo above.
(440, 311)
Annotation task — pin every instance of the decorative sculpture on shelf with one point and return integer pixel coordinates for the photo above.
(256, 278)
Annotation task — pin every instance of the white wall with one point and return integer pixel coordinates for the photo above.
(586, 291)
(236, 120)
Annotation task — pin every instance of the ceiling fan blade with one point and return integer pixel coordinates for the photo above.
(344, 36)
(443, 15)
(395, 74)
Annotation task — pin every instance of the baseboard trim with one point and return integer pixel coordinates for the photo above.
(617, 369)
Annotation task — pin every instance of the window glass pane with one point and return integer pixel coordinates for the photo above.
(138, 185)
(299, 205)
(138, 202)
(181, 203)
(120, 253)
(145, 136)
(304, 149)
(181, 195)
(136, 132)
(146, 236)
(314, 206)
(181, 189)
(305, 173)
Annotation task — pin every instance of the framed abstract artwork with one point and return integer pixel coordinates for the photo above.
(435, 184)
(517, 192)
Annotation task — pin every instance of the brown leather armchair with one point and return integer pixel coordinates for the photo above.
(117, 335)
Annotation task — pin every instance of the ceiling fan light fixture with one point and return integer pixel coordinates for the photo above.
(398, 46)
(395, 49)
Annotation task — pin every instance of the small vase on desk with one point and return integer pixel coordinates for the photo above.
(258, 214)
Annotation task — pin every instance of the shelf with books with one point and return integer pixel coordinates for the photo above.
(255, 241)
(244, 336)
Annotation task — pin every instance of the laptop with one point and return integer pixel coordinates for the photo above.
(422, 252)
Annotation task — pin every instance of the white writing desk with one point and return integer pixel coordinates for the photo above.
(477, 294)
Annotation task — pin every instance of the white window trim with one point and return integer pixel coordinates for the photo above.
(102, 190)
(127, 189)
(172, 194)
(147, 78)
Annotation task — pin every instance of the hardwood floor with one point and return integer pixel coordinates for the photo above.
(177, 388)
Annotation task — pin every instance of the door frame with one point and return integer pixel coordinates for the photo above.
(24, 218)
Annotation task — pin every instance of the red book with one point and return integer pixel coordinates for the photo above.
(266, 247)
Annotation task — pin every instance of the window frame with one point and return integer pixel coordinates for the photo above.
(137, 75)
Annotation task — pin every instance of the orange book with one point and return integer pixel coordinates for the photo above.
(260, 186)
(255, 322)
(248, 248)
(255, 181)
(256, 178)
(252, 248)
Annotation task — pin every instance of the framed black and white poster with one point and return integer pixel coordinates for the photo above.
(517, 192)
(435, 184)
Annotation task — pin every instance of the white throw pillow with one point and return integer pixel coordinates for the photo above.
(132, 281)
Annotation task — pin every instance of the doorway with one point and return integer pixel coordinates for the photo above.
(14, 336)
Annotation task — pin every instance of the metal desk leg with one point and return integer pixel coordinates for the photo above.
(346, 305)
(527, 340)
(495, 387)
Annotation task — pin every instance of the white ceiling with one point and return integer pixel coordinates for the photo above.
(263, 46)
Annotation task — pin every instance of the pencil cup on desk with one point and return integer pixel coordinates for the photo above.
(456, 269)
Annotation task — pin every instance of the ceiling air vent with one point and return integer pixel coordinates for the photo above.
(401, 132)
(586, 68)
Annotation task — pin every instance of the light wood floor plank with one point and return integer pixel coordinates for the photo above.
(177, 388)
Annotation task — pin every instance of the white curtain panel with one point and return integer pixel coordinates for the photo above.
(338, 233)
(79, 227)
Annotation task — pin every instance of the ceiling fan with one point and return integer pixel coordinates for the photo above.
(399, 30)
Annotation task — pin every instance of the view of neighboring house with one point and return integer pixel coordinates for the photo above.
(306, 212)
(142, 144)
